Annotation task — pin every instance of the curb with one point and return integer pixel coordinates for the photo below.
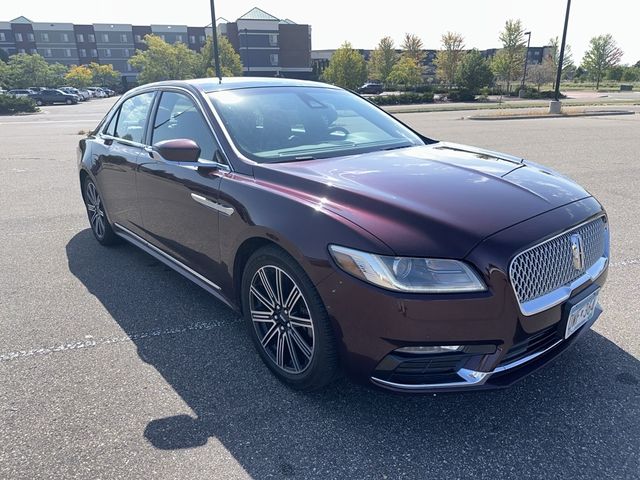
(548, 115)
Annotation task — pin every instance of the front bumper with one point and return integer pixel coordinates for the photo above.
(501, 345)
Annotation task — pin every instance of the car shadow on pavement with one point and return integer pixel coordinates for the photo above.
(577, 418)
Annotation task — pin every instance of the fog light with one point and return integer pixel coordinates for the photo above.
(421, 350)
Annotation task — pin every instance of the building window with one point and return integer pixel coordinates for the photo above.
(192, 39)
(82, 52)
(21, 50)
(203, 39)
(80, 38)
(163, 38)
(138, 38)
(123, 38)
(92, 38)
(67, 52)
(2, 37)
(178, 38)
(31, 37)
(107, 52)
(126, 53)
(33, 51)
(65, 37)
(129, 68)
(273, 39)
(94, 52)
(274, 59)
(44, 37)
(18, 37)
(105, 37)
(47, 52)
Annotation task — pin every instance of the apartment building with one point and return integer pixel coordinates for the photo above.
(267, 45)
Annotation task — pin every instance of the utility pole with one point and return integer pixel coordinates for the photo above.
(214, 35)
(526, 61)
(555, 106)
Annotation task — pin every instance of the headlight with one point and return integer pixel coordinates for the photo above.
(404, 274)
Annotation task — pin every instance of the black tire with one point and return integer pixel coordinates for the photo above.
(321, 368)
(100, 225)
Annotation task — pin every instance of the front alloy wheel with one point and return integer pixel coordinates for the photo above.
(281, 319)
(288, 321)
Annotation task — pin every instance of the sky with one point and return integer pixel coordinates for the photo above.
(364, 23)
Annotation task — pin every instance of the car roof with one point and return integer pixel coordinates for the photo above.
(208, 85)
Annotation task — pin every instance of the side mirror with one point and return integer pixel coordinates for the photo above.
(178, 150)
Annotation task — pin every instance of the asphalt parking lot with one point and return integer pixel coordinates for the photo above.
(113, 366)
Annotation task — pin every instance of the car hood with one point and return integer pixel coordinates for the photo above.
(435, 200)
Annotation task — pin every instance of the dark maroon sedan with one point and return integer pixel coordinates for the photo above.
(345, 238)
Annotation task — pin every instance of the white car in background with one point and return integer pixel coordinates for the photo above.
(97, 92)
(84, 94)
(19, 92)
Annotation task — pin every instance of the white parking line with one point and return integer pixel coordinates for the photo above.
(91, 342)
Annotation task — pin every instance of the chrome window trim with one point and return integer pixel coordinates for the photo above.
(563, 293)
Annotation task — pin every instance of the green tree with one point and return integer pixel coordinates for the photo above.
(412, 47)
(616, 72)
(448, 59)
(542, 73)
(508, 63)
(568, 65)
(56, 75)
(27, 70)
(230, 62)
(4, 75)
(79, 76)
(631, 74)
(406, 72)
(474, 72)
(602, 55)
(347, 68)
(103, 75)
(163, 61)
(383, 58)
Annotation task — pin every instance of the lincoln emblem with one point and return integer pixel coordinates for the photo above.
(577, 251)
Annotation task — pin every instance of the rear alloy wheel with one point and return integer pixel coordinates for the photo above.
(39, 103)
(97, 216)
(69, 101)
(288, 322)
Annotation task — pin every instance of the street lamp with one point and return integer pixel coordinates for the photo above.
(555, 106)
(526, 61)
(214, 35)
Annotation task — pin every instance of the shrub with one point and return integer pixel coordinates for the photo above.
(402, 99)
(10, 105)
(461, 96)
(545, 94)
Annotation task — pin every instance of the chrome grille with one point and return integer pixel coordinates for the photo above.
(549, 266)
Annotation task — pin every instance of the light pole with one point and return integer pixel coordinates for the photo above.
(526, 61)
(214, 35)
(555, 106)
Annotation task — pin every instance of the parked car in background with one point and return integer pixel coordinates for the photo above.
(97, 92)
(344, 237)
(49, 97)
(108, 91)
(375, 88)
(3, 91)
(20, 92)
(72, 91)
(84, 93)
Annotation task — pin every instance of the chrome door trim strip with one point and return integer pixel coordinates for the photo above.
(164, 257)
(228, 211)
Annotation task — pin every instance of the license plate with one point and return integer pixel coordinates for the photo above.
(581, 313)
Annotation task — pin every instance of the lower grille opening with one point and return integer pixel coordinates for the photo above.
(423, 369)
(537, 342)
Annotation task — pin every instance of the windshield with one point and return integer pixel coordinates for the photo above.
(277, 124)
